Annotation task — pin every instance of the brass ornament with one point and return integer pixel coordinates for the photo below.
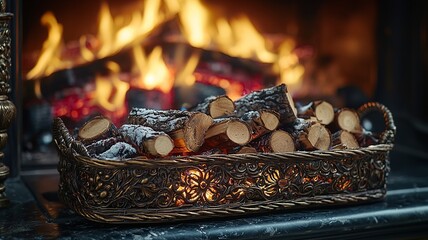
(7, 108)
(7, 113)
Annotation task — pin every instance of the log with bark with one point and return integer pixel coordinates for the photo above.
(344, 140)
(102, 145)
(366, 138)
(311, 135)
(146, 140)
(215, 106)
(96, 129)
(278, 141)
(244, 150)
(321, 110)
(187, 129)
(119, 151)
(226, 133)
(261, 122)
(274, 98)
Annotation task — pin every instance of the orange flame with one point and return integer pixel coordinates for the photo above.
(288, 66)
(236, 37)
(49, 60)
(152, 70)
(110, 92)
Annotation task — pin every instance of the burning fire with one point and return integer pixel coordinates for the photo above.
(198, 27)
(49, 59)
(112, 84)
(152, 70)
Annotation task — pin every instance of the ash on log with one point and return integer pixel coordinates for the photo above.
(187, 129)
(274, 98)
(102, 145)
(278, 141)
(215, 106)
(227, 133)
(119, 151)
(321, 110)
(311, 135)
(147, 140)
(261, 122)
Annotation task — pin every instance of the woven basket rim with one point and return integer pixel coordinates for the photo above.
(159, 215)
(329, 155)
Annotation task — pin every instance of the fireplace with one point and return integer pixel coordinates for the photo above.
(104, 57)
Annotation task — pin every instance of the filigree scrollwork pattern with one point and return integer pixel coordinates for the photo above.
(215, 183)
(5, 60)
(7, 109)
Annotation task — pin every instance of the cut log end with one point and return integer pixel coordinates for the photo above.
(162, 146)
(319, 137)
(270, 120)
(238, 132)
(348, 120)
(347, 140)
(324, 112)
(282, 141)
(95, 129)
(195, 129)
(221, 106)
(275, 98)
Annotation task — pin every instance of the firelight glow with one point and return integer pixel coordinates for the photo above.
(153, 72)
(236, 37)
(49, 60)
(105, 86)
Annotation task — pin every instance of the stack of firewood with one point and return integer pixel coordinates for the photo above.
(262, 121)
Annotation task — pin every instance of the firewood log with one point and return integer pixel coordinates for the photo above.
(102, 145)
(278, 141)
(147, 140)
(261, 122)
(344, 140)
(345, 119)
(274, 98)
(243, 150)
(321, 110)
(226, 133)
(311, 135)
(118, 151)
(187, 129)
(366, 138)
(96, 129)
(215, 106)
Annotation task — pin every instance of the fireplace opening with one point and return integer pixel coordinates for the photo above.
(81, 59)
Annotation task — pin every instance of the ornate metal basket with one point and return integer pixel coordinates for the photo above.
(160, 190)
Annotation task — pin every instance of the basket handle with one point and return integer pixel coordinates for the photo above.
(388, 135)
(61, 134)
(63, 138)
